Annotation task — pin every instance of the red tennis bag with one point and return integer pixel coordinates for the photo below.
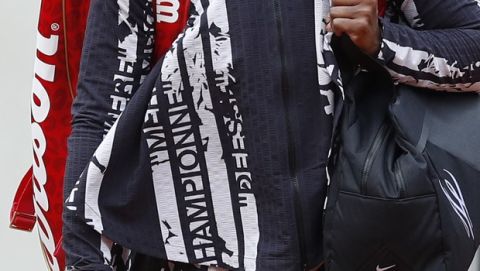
(59, 44)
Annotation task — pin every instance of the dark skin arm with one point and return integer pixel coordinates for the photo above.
(359, 20)
(408, 50)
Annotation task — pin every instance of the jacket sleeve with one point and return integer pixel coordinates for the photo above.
(438, 49)
(116, 56)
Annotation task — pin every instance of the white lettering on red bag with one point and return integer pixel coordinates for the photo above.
(40, 109)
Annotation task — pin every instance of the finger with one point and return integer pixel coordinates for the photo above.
(349, 12)
(329, 28)
(344, 25)
(360, 3)
(327, 19)
(345, 2)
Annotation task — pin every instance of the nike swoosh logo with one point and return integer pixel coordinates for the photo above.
(385, 268)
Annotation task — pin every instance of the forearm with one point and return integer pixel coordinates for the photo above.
(81, 243)
(447, 59)
(439, 49)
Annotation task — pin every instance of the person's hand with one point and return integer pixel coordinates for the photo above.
(359, 20)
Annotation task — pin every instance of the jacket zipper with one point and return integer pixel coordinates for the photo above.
(290, 136)
(372, 153)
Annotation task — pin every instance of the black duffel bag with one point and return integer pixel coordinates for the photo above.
(405, 188)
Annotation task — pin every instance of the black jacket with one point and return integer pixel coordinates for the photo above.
(220, 156)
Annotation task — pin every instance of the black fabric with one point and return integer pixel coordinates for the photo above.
(406, 179)
(143, 262)
(247, 107)
(268, 97)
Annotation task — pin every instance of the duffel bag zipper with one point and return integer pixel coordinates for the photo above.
(372, 153)
(290, 136)
(399, 178)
